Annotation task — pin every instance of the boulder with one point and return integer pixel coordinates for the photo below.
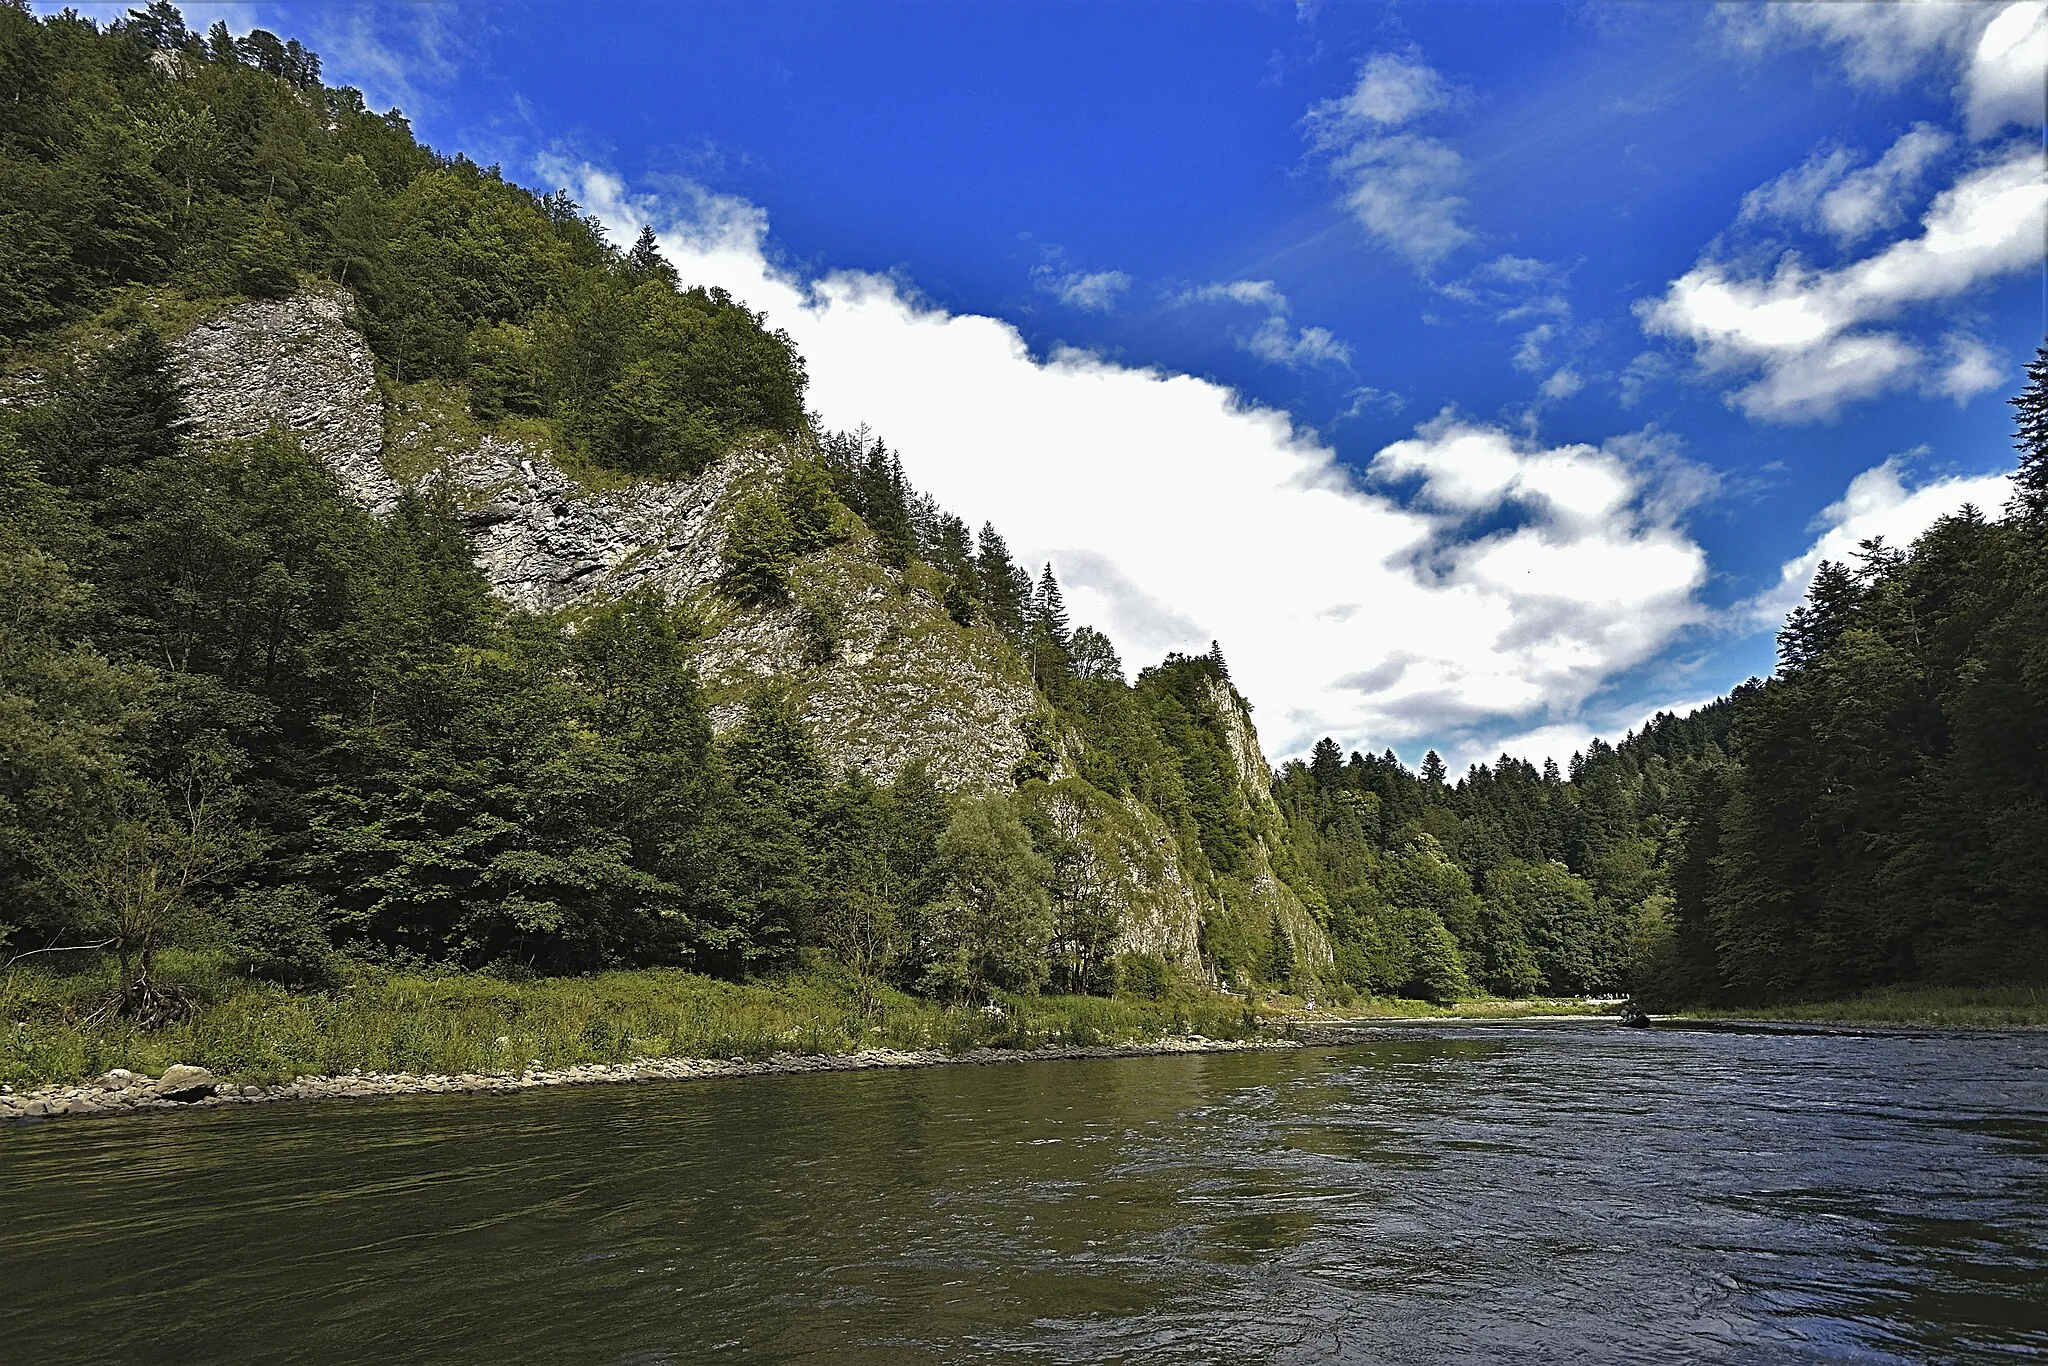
(184, 1083)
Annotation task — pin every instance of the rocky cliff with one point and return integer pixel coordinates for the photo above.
(901, 681)
(905, 681)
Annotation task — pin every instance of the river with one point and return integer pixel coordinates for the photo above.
(1494, 1193)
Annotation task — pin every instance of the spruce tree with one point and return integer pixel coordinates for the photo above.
(1005, 589)
(2030, 437)
(645, 261)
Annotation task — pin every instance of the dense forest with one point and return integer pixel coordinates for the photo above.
(238, 711)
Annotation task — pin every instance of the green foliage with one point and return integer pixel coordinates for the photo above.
(280, 934)
(991, 929)
(758, 549)
(232, 170)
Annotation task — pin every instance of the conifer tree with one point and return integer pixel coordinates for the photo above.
(1005, 589)
(645, 261)
(1433, 770)
(2030, 437)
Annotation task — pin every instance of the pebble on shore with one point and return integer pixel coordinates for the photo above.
(184, 1087)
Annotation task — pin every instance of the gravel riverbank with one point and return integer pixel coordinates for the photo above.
(186, 1088)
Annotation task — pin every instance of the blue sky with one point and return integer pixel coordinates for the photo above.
(1481, 375)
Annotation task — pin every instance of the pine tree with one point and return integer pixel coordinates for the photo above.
(1433, 770)
(1326, 764)
(2030, 437)
(1049, 610)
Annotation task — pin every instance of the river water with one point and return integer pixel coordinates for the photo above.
(1458, 1193)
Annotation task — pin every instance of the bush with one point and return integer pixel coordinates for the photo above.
(279, 934)
(1143, 974)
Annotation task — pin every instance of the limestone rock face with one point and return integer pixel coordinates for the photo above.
(905, 683)
(1260, 894)
(298, 364)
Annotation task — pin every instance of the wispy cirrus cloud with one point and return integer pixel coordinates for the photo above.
(1274, 338)
(1092, 291)
(1831, 194)
(1403, 186)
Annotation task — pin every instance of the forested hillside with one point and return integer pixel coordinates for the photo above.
(243, 713)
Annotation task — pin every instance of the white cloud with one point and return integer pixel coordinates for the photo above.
(1091, 291)
(1275, 338)
(1993, 54)
(1401, 186)
(1827, 195)
(1513, 583)
(1562, 384)
(1809, 331)
(2008, 69)
(1393, 90)
(1877, 503)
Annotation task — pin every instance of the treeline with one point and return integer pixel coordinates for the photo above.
(142, 154)
(1874, 814)
(1512, 881)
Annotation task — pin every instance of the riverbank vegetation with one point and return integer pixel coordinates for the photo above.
(54, 1027)
(1935, 1007)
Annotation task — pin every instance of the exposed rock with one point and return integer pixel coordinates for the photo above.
(185, 1083)
(907, 682)
(294, 363)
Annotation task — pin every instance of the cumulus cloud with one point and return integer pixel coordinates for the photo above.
(1829, 194)
(1810, 332)
(1275, 338)
(1401, 185)
(1878, 502)
(1508, 580)
(1993, 55)
(1091, 291)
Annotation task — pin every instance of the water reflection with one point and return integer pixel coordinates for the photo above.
(1505, 1194)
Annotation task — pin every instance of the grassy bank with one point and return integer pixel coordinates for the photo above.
(2018, 1007)
(1487, 1008)
(468, 1022)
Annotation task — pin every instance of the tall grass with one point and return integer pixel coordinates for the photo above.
(2007, 1007)
(467, 1022)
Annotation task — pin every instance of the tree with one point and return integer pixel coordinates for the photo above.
(2030, 437)
(646, 263)
(758, 549)
(133, 880)
(1433, 771)
(990, 929)
(1005, 589)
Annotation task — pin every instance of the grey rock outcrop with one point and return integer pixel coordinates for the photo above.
(906, 683)
(294, 363)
